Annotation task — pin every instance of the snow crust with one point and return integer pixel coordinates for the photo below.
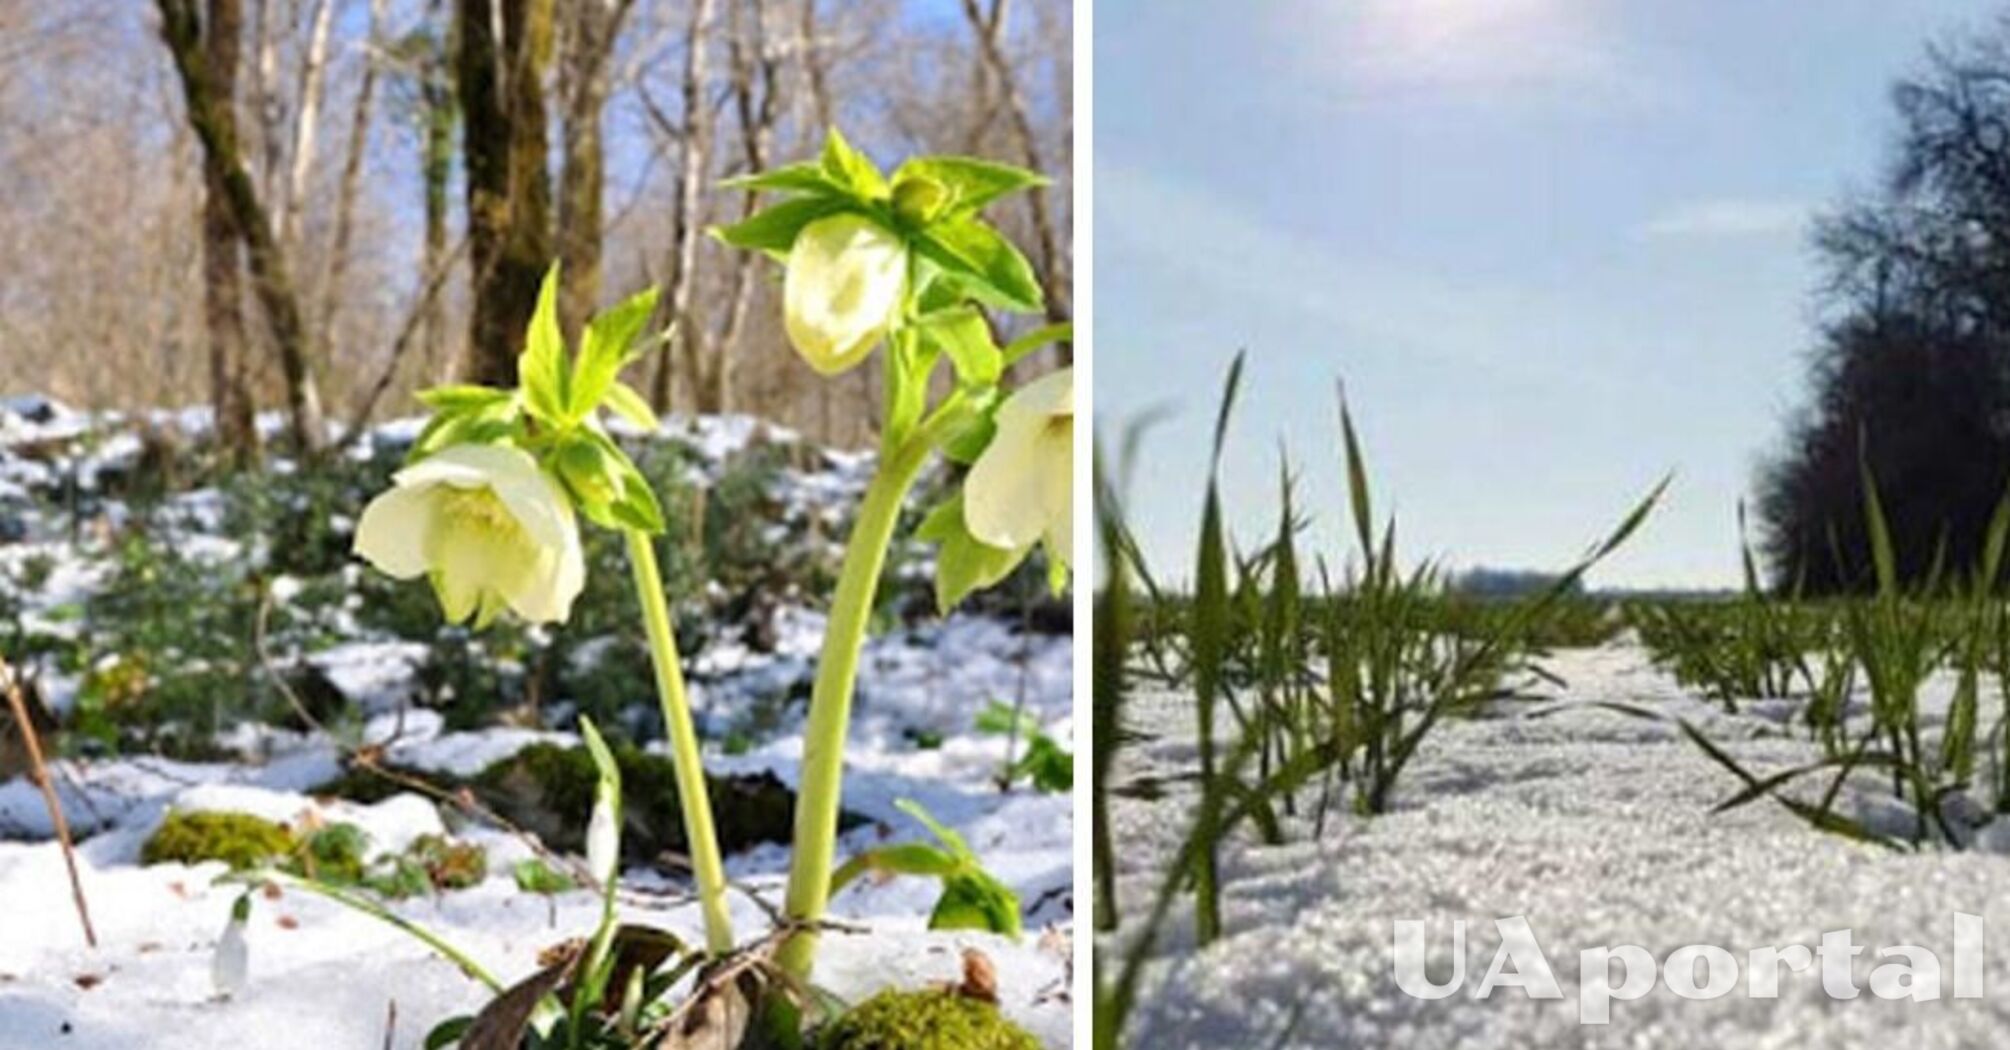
(1596, 828)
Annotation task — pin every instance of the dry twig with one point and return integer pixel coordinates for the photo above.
(10, 683)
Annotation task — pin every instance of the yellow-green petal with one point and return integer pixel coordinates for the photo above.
(846, 277)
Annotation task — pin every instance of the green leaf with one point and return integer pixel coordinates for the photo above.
(607, 346)
(964, 564)
(603, 760)
(1037, 338)
(1002, 719)
(774, 229)
(474, 427)
(852, 171)
(1357, 480)
(974, 182)
(541, 367)
(962, 334)
(803, 177)
(909, 367)
(1049, 766)
(637, 507)
(459, 397)
(975, 900)
(448, 1033)
(986, 265)
(1881, 550)
(630, 406)
(535, 876)
(593, 476)
(968, 440)
(941, 831)
(911, 858)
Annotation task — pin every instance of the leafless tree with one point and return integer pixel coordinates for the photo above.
(373, 140)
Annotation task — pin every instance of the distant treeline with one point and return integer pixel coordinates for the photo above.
(1910, 380)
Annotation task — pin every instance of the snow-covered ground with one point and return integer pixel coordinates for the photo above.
(323, 976)
(1593, 826)
(321, 969)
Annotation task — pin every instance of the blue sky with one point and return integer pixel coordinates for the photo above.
(1556, 249)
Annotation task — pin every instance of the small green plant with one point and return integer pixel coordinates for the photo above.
(1756, 646)
(1044, 763)
(1892, 642)
(1332, 694)
(535, 876)
(972, 898)
(333, 853)
(908, 260)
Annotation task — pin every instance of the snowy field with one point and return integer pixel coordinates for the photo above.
(1593, 826)
(325, 977)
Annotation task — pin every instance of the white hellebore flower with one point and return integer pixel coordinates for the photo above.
(233, 957)
(843, 289)
(1021, 490)
(487, 526)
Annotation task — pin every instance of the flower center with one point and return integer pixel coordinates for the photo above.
(471, 509)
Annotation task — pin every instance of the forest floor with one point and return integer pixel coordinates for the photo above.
(1593, 826)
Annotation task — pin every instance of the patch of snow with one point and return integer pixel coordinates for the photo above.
(1595, 827)
(377, 676)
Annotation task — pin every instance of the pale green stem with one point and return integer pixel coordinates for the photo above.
(685, 759)
(820, 791)
(377, 911)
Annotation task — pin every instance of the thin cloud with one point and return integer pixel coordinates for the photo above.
(1727, 218)
(1477, 51)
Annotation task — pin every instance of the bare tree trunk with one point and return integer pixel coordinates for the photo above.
(504, 48)
(595, 25)
(223, 259)
(990, 30)
(265, 96)
(436, 94)
(982, 100)
(345, 201)
(817, 83)
(816, 78)
(687, 222)
(215, 127)
(757, 101)
(306, 126)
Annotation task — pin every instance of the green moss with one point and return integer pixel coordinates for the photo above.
(238, 839)
(940, 1019)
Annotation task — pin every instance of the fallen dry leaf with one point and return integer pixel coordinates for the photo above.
(980, 977)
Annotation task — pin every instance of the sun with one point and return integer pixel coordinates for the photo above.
(1453, 23)
(1469, 43)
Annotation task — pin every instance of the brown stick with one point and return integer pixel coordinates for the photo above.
(40, 772)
